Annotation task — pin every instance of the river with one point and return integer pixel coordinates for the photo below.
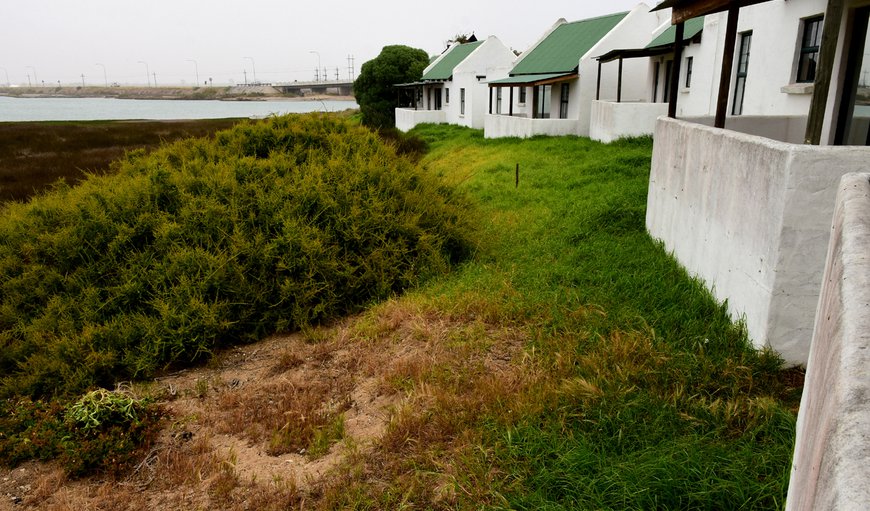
(95, 109)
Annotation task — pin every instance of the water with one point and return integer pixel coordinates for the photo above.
(95, 109)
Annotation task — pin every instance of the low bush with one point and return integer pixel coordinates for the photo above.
(269, 226)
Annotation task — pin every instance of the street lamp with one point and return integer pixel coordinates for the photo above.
(252, 67)
(105, 77)
(147, 72)
(196, 69)
(318, 61)
(34, 73)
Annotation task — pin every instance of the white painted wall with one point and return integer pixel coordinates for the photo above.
(407, 118)
(492, 60)
(634, 31)
(830, 469)
(611, 121)
(751, 217)
(497, 126)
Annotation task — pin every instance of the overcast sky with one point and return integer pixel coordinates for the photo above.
(51, 40)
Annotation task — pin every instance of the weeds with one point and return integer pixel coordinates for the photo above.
(270, 226)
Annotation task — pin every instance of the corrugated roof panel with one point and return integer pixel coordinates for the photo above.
(561, 50)
(691, 28)
(443, 70)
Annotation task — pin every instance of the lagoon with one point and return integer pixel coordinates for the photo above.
(97, 109)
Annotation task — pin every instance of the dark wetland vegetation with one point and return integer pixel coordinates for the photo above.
(35, 155)
(498, 345)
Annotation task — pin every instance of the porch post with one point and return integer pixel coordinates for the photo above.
(598, 85)
(822, 83)
(675, 70)
(490, 100)
(727, 64)
(511, 103)
(619, 83)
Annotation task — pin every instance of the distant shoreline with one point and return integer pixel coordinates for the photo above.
(237, 93)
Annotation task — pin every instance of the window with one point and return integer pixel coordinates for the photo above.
(462, 101)
(689, 71)
(542, 101)
(522, 95)
(742, 67)
(656, 69)
(563, 101)
(498, 100)
(447, 96)
(437, 93)
(809, 52)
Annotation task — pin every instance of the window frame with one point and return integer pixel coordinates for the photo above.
(809, 46)
(462, 101)
(742, 71)
(564, 95)
(688, 83)
(522, 96)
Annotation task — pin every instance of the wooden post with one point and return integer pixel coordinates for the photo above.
(675, 70)
(598, 85)
(517, 180)
(727, 65)
(490, 100)
(619, 83)
(824, 70)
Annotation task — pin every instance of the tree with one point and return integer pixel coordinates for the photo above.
(373, 87)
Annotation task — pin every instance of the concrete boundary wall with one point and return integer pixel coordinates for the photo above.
(751, 217)
(407, 118)
(611, 120)
(498, 126)
(830, 466)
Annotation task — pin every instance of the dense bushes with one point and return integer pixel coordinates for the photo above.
(268, 227)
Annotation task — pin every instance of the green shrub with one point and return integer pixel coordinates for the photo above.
(270, 226)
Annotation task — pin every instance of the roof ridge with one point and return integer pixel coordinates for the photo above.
(623, 13)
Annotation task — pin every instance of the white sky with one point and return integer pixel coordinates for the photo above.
(63, 39)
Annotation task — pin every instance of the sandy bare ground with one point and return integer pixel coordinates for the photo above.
(218, 448)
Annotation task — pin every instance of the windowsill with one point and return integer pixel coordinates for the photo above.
(685, 90)
(797, 88)
(521, 104)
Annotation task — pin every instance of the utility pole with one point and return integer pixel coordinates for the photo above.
(245, 72)
(147, 73)
(350, 70)
(155, 79)
(253, 68)
(83, 79)
(317, 74)
(336, 74)
(196, 69)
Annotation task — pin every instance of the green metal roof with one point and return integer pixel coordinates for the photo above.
(692, 28)
(560, 52)
(443, 70)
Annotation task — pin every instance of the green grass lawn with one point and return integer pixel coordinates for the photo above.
(635, 390)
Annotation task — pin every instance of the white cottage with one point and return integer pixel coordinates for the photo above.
(770, 207)
(551, 87)
(453, 87)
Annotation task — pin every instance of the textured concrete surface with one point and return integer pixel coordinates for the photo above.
(831, 466)
(611, 120)
(751, 217)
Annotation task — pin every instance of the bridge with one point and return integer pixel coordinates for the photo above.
(334, 87)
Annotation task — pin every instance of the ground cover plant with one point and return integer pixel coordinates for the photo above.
(267, 227)
(633, 389)
(34, 155)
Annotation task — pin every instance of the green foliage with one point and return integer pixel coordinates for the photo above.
(102, 432)
(373, 87)
(270, 226)
(647, 395)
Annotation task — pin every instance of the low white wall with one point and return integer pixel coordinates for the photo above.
(611, 121)
(407, 118)
(497, 126)
(751, 217)
(830, 468)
